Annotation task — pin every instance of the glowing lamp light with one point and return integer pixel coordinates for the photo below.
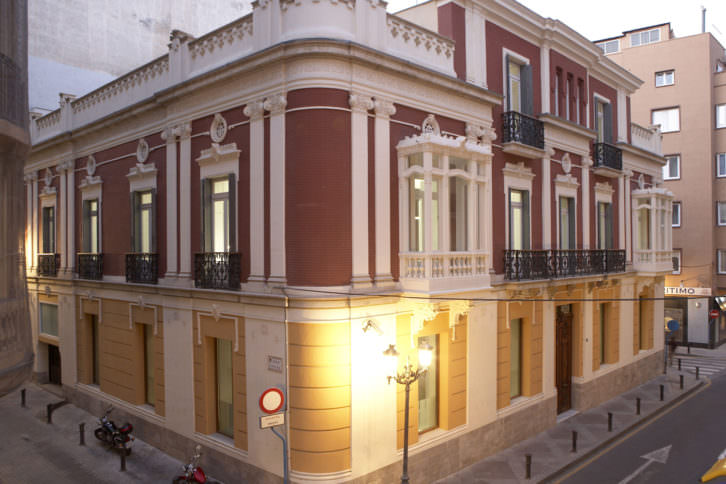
(391, 357)
(425, 355)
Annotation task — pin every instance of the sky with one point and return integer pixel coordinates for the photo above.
(599, 20)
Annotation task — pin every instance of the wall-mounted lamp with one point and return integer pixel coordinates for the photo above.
(370, 324)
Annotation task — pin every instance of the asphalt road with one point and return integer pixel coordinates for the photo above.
(695, 430)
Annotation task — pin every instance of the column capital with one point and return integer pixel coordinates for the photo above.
(586, 162)
(276, 103)
(29, 178)
(360, 102)
(384, 108)
(254, 109)
(65, 166)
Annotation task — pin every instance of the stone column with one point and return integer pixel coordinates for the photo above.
(170, 136)
(382, 130)
(276, 106)
(547, 198)
(34, 239)
(544, 60)
(255, 111)
(63, 217)
(71, 217)
(628, 219)
(360, 105)
(586, 164)
(185, 201)
(621, 212)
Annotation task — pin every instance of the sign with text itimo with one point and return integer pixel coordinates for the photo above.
(271, 401)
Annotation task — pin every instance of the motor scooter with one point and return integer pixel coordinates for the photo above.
(193, 474)
(117, 437)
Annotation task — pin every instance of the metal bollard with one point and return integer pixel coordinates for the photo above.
(661, 393)
(82, 433)
(681, 381)
(610, 422)
(637, 406)
(49, 413)
(528, 466)
(697, 371)
(679, 364)
(123, 460)
(574, 441)
(22, 398)
(689, 349)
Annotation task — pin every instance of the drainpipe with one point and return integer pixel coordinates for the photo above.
(703, 19)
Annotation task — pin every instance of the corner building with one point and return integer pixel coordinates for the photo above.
(230, 217)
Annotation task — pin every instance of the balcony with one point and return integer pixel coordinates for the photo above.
(217, 270)
(48, 264)
(653, 261)
(522, 265)
(90, 266)
(430, 271)
(142, 268)
(522, 135)
(608, 159)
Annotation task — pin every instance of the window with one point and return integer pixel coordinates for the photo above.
(519, 86)
(518, 219)
(610, 46)
(90, 226)
(143, 222)
(95, 353)
(218, 214)
(603, 121)
(604, 225)
(515, 358)
(558, 86)
(458, 206)
(676, 257)
(668, 119)
(721, 261)
(676, 215)
(721, 213)
(567, 223)
(643, 225)
(721, 116)
(603, 332)
(428, 395)
(643, 38)
(49, 319)
(223, 374)
(149, 363)
(664, 78)
(672, 168)
(721, 164)
(568, 88)
(48, 230)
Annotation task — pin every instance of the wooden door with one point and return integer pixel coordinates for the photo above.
(563, 358)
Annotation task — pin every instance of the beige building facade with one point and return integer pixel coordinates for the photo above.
(684, 91)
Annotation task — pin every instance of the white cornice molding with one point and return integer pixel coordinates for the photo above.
(604, 189)
(219, 160)
(567, 181)
(518, 170)
(142, 177)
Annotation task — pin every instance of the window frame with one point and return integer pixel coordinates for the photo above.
(673, 214)
(664, 75)
(639, 36)
(208, 217)
(526, 83)
(520, 389)
(719, 173)
(666, 167)
(137, 209)
(41, 325)
(677, 109)
(604, 134)
(720, 210)
(48, 229)
(677, 253)
(87, 239)
(721, 260)
(721, 107)
(605, 44)
(433, 373)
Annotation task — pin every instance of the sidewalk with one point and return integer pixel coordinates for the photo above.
(551, 450)
(33, 451)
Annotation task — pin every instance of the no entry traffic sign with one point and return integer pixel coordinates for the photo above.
(272, 400)
(713, 313)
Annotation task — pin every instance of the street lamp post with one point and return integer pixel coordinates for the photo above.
(406, 377)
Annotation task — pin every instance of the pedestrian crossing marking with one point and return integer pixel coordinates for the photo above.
(707, 366)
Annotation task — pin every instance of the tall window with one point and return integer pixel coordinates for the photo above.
(669, 119)
(49, 319)
(721, 261)
(664, 78)
(458, 205)
(721, 213)
(95, 351)
(518, 219)
(515, 87)
(225, 405)
(721, 164)
(604, 225)
(91, 226)
(676, 214)
(143, 222)
(568, 89)
(721, 115)
(567, 223)
(672, 168)
(48, 230)
(558, 86)
(428, 392)
(603, 331)
(643, 225)
(519, 86)
(149, 363)
(603, 121)
(218, 218)
(515, 358)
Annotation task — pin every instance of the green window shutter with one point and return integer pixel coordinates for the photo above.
(525, 220)
(608, 123)
(571, 216)
(153, 221)
(206, 215)
(86, 229)
(507, 89)
(527, 89)
(134, 199)
(608, 225)
(232, 213)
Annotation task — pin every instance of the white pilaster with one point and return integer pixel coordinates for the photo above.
(622, 117)
(29, 220)
(170, 137)
(628, 219)
(185, 233)
(276, 106)
(360, 105)
(255, 111)
(475, 62)
(384, 110)
(71, 217)
(586, 164)
(61, 219)
(546, 199)
(34, 241)
(621, 212)
(544, 60)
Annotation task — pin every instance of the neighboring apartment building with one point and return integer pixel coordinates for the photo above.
(685, 93)
(237, 214)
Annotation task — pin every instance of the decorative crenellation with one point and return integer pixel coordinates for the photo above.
(384, 108)
(133, 79)
(254, 109)
(276, 103)
(226, 35)
(360, 102)
(410, 32)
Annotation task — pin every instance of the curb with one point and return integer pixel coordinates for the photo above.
(647, 419)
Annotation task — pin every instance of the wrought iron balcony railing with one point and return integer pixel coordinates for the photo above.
(554, 264)
(142, 268)
(523, 129)
(608, 156)
(217, 270)
(90, 266)
(48, 264)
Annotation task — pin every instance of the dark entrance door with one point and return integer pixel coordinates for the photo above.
(54, 365)
(563, 357)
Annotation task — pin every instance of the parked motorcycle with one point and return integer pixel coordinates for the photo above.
(193, 474)
(117, 437)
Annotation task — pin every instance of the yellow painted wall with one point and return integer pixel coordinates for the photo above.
(319, 359)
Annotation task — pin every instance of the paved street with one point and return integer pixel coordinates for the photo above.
(34, 452)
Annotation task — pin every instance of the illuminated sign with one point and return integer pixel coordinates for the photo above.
(687, 291)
